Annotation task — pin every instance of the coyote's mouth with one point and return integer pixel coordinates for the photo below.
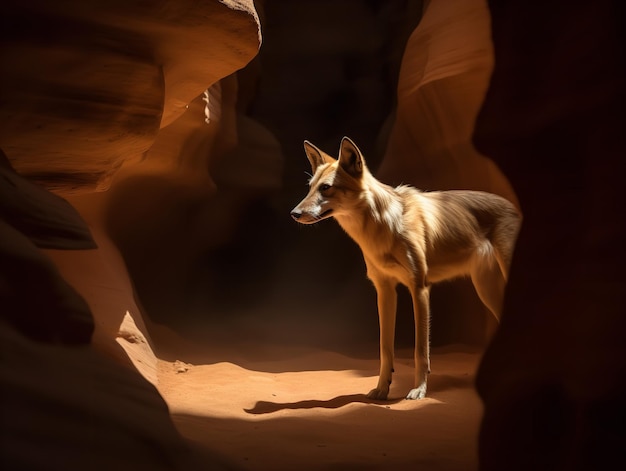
(325, 214)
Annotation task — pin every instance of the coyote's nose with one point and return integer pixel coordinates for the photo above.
(296, 214)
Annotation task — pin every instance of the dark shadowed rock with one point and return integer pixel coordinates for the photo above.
(553, 381)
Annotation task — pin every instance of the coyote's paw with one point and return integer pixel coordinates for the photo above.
(417, 393)
(378, 394)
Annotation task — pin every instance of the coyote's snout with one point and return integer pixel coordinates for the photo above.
(414, 238)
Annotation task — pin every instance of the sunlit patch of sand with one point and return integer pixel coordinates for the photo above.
(311, 412)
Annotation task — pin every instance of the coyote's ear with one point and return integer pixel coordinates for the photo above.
(350, 158)
(316, 156)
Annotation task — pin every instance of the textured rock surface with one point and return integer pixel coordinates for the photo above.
(71, 408)
(32, 218)
(91, 87)
(86, 86)
(35, 298)
(554, 380)
(444, 75)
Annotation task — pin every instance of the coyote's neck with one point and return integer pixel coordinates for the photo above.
(379, 211)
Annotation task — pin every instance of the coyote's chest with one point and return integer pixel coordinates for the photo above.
(396, 261)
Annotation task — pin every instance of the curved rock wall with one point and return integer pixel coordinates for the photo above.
(88, 85)
(443, 79)
(77, 106)
(86, 89)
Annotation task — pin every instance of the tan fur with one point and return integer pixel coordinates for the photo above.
(414, 238)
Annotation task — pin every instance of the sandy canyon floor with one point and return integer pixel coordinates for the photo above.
(286, 408)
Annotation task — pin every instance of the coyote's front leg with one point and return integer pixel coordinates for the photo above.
(387, 300)
(421, 312)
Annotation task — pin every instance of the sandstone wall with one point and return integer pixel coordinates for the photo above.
(86, 89)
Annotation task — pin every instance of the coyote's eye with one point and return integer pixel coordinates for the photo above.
(324, 186)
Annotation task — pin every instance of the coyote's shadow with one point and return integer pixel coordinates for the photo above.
(267, 407)
(438, 383)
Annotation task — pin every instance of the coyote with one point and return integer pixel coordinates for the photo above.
(411, 237)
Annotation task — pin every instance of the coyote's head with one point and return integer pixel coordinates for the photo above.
(336, 184)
